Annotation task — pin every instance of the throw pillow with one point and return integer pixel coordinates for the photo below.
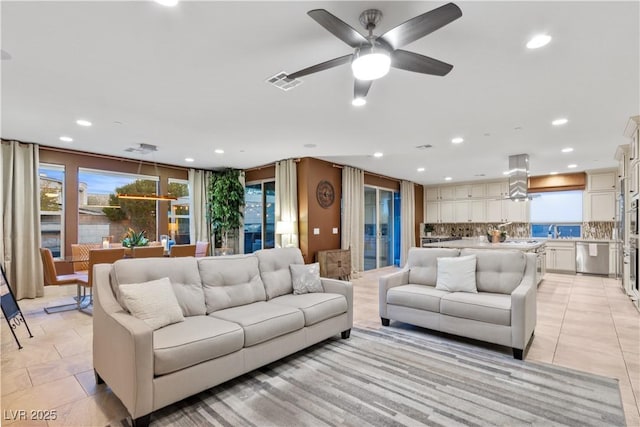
(306, 278)
(457, 274)
(153, 302)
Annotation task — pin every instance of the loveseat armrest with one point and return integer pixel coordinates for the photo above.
(387, 282)
(341, 287)
(122, 348)
(523, 312)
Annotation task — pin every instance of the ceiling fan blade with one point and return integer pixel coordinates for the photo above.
(361, 88)
(417, 63)
(337, 27)
(418, 27)
(322, 66)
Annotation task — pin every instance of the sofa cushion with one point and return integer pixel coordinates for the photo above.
(457, 274)
(498, 271)
(274, 269)
(483, 307)
(183, 273)
(422, 264)
(262, 321)
(197, 339)
(230, 281)
(416, 296)
(305, 278)
(153, 302)
(316, 307)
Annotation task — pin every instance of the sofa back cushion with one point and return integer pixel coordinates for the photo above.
(182, 272)
(498, 271)
(230, 281)
(423, 264)
(274, 269)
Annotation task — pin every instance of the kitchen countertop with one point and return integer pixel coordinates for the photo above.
(522, 245)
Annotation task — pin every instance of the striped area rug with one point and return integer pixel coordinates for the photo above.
(393, 377)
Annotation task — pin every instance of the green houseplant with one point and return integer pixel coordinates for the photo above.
(133, 238)
(225, 199)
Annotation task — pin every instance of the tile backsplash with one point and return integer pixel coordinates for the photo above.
(598, 230)
(519, 230)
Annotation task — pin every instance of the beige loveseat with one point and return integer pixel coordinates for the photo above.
(239, 314)
(502, 312)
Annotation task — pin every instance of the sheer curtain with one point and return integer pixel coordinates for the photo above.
(199, 228)
(287, 197)
(407, 219)
(353, 216)
(20, 197)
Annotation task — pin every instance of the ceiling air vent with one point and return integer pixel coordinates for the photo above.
(424, 146)
(282, 81)
(142, 149)
(518, 176)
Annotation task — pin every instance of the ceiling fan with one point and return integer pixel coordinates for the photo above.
(374, 55)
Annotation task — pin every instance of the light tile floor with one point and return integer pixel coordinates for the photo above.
(584, 322)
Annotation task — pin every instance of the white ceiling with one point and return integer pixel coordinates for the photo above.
(191, 79)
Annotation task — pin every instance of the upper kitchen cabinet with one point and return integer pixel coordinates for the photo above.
(497, 189)
(632, 131)
(600, 206)
(448, 193)
(432, 194)
(602, 181)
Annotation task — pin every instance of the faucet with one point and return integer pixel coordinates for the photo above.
(553, 232)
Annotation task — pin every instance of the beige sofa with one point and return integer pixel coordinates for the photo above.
(240, 314)
(502, 312)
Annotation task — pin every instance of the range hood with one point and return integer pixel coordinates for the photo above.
(518, 176)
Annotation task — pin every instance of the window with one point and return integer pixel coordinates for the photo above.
(259, 216)
(179, 211)
(556, 214)
(102, 213)
(52, 208)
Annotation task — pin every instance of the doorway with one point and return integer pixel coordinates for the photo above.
(381, 227)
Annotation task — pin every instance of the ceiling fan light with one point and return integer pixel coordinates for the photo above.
(370, 63)
(358, 102)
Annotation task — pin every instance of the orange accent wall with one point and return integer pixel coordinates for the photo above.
(419, 200)
(567, 181)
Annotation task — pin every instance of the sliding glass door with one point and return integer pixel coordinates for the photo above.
(379, 230)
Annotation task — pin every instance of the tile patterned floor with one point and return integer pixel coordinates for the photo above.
(584, 323)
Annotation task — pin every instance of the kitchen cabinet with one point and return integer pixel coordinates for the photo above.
(431, 194)
(561, 256)
(469, 211)
(497, 189)
(461, 192)
(602, 181)
(613, 259)
(447, 193)
(600, 206)
(474, 191)
(447, 211)
(432, 212)
(494, 211)
(516, 211)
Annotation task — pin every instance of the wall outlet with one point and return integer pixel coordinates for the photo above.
(316, 231)
(335, 230)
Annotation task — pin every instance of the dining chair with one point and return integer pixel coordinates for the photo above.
(202, 249)
(80, 251)
(51, 278)
(182, 250)
(96, 256)
(147, 251)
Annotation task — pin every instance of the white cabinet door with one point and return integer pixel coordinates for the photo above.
(604, 181)
(601, 206)
(550, 255)
(447, 193)
(613, 258)
(515, 211)
(432, 212)
(461, 192)
(497, 189)
(494, 211)
(461, 211)
(565, 259)
(431, 193)
(447, 212)
(477, 191)
(478, 210)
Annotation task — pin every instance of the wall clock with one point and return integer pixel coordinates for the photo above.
(325, 194)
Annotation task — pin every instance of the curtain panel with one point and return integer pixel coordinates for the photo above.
(199, 227)
(20, 238)
(286, 209)
(353, 216)
(407, 219)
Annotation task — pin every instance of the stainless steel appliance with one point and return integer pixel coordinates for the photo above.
(541, 263)
(633, 217)
(592, 258)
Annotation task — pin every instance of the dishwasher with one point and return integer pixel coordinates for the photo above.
(592, 258)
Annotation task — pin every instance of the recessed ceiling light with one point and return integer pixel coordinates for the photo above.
(358, 102)
(506, 172)
(559, 122)
(420, 169)
(66, 139)
(447, 178)
(189, 159)
(377, 154)
(553, 173)
(218, 151)
(169, 3)
(82, 122)
(538, 41)
(572, 166)
(457, 140)
(567, 150)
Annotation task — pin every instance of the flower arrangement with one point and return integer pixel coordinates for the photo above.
(501, 234)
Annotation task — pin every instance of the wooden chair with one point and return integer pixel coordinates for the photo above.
(96, 256)
(51, 278)
(182, 250)
(202, 249)
(147, 251)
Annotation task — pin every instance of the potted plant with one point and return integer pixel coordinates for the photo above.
(133, 238)
(225, 199)
(428, 229)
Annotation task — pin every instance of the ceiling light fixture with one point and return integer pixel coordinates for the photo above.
(370, 62)
(358, 102)
(567, 150)
(189, 159)
(457, 140)
(144, 149)
(420, 169)
(155, 197)
(572, 166)
(538, 41)
(377, 154)
(447, 178)
(168, 3)
(559, 122)
(85, 123)
(66, 139)
(218, 151)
